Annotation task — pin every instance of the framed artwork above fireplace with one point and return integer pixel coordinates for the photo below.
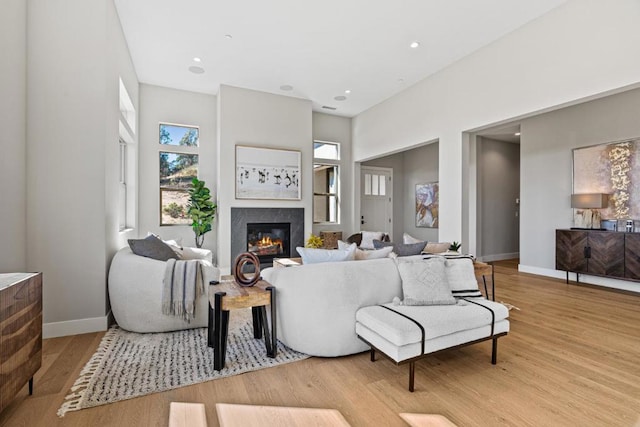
(267, 173)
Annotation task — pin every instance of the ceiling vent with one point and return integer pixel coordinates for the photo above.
(326, 107)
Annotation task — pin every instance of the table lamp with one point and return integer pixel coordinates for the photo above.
(587, 214)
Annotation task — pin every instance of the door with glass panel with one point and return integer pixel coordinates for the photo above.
(376, 199)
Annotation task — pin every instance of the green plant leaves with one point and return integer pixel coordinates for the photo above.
(201, 209)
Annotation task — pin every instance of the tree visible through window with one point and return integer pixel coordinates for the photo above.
(177, 168)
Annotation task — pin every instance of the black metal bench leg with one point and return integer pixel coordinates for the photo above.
(373, 355)
(31, 386)
(412, 372)
(494, 351)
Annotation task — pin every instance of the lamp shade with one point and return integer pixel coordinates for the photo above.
(589, 201)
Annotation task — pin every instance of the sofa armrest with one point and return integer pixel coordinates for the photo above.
(197, 253)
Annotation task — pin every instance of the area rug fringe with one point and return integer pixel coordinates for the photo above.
(74, 400)
(128, 365)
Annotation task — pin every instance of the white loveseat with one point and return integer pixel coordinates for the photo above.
(135, 292)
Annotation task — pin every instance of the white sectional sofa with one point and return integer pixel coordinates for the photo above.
(317, 303)
(335, 309)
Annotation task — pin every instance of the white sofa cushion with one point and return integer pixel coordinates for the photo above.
(368, 237)
(425, 282)
(314, 256)
(369, 254)
(437, 320)
(461, 277)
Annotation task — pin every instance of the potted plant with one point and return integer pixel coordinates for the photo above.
(201, 209)
(455, 246)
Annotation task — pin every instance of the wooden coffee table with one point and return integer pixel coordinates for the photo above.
(229, 295)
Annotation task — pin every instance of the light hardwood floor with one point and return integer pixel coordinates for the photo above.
(572, 358)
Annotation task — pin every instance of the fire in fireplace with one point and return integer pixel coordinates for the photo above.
(269, 240)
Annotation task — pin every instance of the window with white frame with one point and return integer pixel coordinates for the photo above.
(127, 163)
(326, 182)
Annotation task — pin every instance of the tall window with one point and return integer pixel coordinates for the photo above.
(127, 163)
(326, 182)
(178, 166)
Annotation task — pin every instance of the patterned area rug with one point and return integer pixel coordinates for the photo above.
(128, 365)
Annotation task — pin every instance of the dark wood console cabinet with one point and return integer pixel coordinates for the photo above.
(598, 253)
(20, 332)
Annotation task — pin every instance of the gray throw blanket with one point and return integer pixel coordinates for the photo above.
(183, 284)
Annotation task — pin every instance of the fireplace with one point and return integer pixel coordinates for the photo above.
(241, 218)
(269, 240)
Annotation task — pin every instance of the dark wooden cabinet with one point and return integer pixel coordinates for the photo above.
(20, 332)
(632, 256)
(599, 253)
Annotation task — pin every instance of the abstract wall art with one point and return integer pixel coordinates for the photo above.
(612, 168)
(267, 173)
(427, 196)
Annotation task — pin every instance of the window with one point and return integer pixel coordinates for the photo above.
(127, 164)
(178, 165)
(326, 182)
(374, 185)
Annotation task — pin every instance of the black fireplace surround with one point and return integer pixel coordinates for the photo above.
(242, 217)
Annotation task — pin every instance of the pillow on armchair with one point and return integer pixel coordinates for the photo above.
(152, 247)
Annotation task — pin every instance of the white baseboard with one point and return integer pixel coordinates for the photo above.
(499, 257)
(74, 327)
(624, 285)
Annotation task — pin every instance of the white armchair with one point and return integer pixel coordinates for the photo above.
(135, 291)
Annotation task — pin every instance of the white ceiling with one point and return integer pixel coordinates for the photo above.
(321, 48)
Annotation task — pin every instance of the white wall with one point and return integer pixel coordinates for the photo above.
(546, 168)
(160, 104)
(330, 128)
(248, 117)
(13, 80)
(581, 49)
(75, 57)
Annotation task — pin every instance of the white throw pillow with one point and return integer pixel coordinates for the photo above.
(368, 237)
(407, 238)
(462, 278)
(314, 256)
(425, 282)
(361, 255)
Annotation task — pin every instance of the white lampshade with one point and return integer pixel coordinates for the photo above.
(590, 201)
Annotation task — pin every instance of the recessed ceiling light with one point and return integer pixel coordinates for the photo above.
(228, 36)
(340, 98)
(196, 70)
(517, 134)
(414, 45)
(286, 87)
(347, 91)
(196, 59)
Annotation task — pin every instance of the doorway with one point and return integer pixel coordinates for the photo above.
(498, 194)
(376, 199)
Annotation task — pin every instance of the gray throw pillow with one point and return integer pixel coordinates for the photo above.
(425, 282)
(152, 247)
(402, 249)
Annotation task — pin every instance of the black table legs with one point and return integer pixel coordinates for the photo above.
(218, 328)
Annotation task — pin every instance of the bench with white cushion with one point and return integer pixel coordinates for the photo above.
(406, 333)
